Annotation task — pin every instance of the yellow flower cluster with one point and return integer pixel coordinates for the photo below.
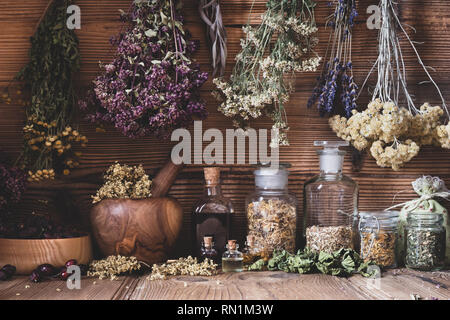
(393, 135)
(124, 182)
(42, 138)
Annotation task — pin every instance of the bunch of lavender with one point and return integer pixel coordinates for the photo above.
(280, 46)
(336, 86)
(12, 185)
(152, 86)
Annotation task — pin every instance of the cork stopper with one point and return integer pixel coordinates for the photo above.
(232, 244)
(208, 241)
(212, 175)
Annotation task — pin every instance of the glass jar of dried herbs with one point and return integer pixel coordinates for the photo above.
(272, 211)
(425, 241)
(378, 232)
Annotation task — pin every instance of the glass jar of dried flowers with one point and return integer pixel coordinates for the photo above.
(425, 241)
(272, 212)
(378, 237)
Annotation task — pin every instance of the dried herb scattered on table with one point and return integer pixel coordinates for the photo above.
(272, 223)
(379, 248)
(124, 182)
(329, 239)
(425, 250)
(49, 135)
(343, 262)
(183, 266)
(113, 266)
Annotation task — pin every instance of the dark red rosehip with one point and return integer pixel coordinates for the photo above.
(47, 270)
(71, 262)
(3, 275)
(35, 276)
(10, 270)
(63, 275)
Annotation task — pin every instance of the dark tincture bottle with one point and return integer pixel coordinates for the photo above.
(212, 214)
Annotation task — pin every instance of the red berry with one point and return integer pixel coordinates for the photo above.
(9, 270)
(35, 276)
(71, 262)
(46, 270)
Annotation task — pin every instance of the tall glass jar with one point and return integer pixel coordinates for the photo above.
(330, 203)
(425, 241)
(272, 211)
(378, 231)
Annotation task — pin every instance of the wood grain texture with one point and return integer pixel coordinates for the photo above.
(100, 20)
(394, 285)
(26, 255)
(146, 229)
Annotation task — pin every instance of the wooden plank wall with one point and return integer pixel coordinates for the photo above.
(100, 20)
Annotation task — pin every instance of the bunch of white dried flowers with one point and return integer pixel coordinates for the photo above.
(393, 135)
(280, 46)
(124, 182)
(113, 266)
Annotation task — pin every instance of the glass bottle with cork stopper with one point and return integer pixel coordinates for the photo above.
(330, 203)
(212, 214)
(232, 259)
(209, 251)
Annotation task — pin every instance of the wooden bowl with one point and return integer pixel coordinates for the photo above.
(27, 254)
(146, 229)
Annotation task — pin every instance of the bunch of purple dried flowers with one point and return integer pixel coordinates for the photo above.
(152, 86)
(336, 86)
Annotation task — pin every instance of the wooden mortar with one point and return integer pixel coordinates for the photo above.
(146, 228)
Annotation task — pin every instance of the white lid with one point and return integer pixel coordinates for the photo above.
(269, 178)
(331, 158)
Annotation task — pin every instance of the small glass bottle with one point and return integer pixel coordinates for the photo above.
(378, 231)
(251, 252)
(425, 241)
(330, 203)
(232, 259)
(272, 211)
(208, 250)
(212, 214)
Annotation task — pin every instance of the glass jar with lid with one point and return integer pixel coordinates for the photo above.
(330, 202)
(272, 211)
(425, 241)
(378, 232)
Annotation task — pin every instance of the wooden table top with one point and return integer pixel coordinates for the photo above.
(394, 284)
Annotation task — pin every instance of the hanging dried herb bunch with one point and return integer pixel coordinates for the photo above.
(215, 34)
(336, 86)
(280, 46)
(124, 182)
(49, 135)
(152, 85)
(392, 133)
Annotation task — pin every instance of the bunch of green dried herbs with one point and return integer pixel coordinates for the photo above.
(343, 262)
(280, 46)
(48, 78)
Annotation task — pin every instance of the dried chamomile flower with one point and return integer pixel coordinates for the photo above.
(183, 266)
(394, 156)
(113, 266)
(124, 182)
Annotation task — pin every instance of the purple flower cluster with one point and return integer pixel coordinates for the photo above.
(12, 185)
(335, 86)
(152, 86)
